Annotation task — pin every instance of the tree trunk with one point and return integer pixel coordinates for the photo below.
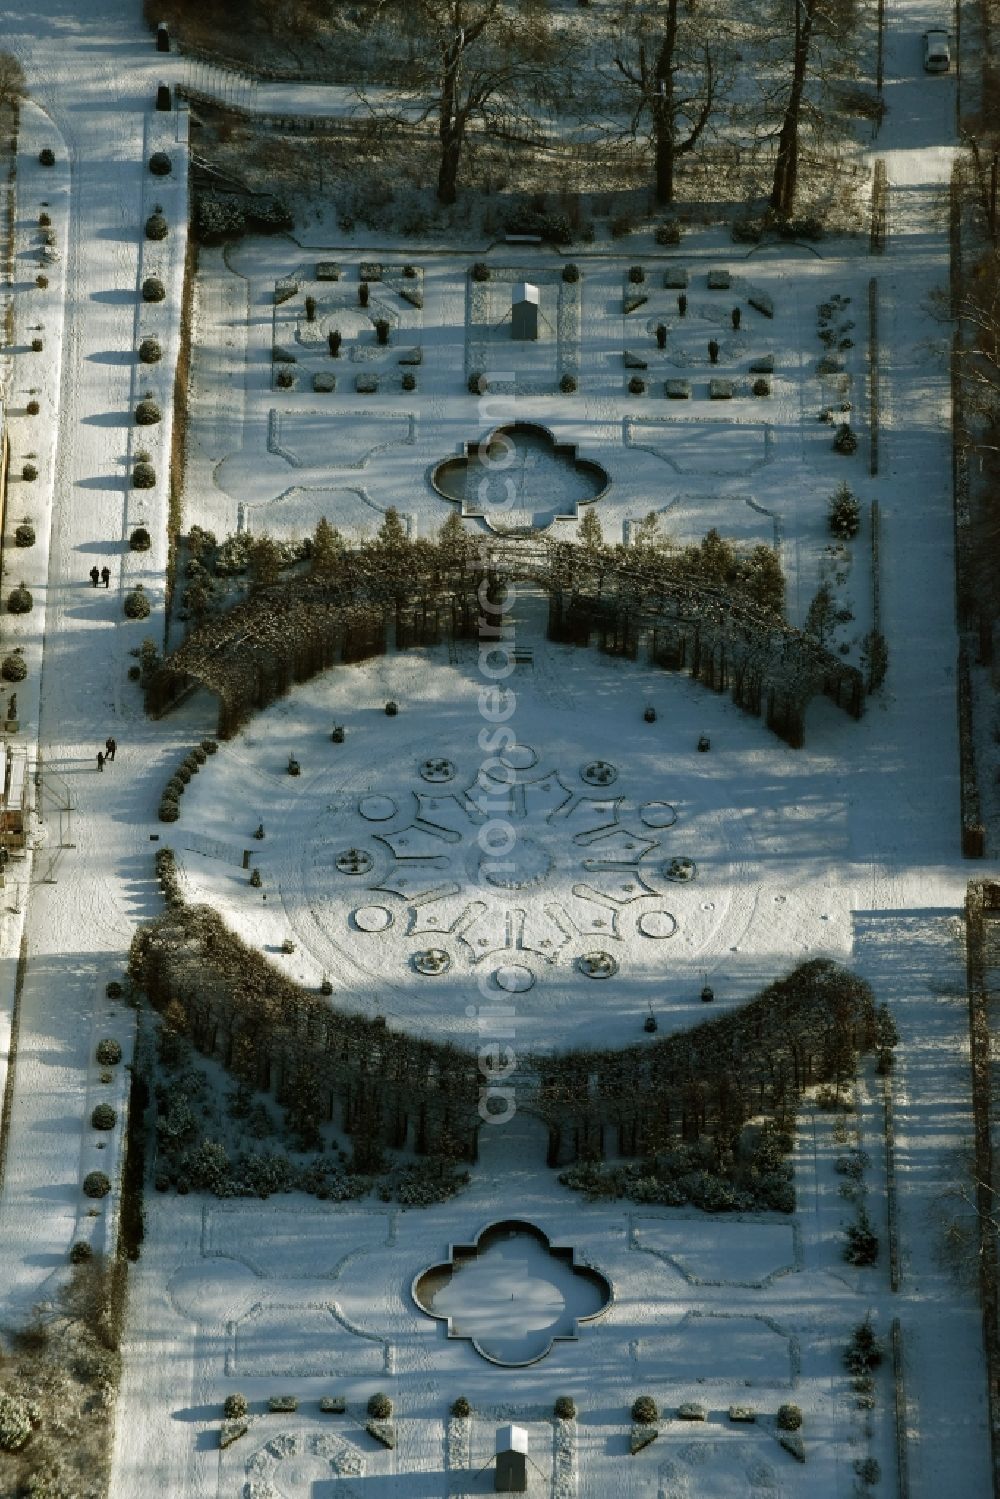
(663, 110)
(786, 167)
(664, 159)
(451, 126)
(451, 153)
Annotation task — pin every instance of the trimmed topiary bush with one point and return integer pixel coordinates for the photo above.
(637, 386)
(143, 476)
(168, 810)
(47, 156)
(210, 746)
(284, 379)
(80, 1253)
(113, 989)
(41, 281)
(570, 272)
(13, 668)
(789, 1418)
(478, 383)
(37, 345)
(29, 472)
(96, 1184)
(409, 381)
(235, 1407)
(636, 275)
(104, 1117)
(32, 408)
(159, 164)
(150, 351)
(153, 289)
(147, 413)
(461, 1408)
(24, 535)
(157, 226)
(567, 384)
(136, 603)
(283, 1404)
(480, 271)
(565, 1408)
(846, 440)
(645, 1410)
(108, 1052)
(20, 600)
(379, 1407)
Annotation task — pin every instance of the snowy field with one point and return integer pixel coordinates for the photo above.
(848, 847)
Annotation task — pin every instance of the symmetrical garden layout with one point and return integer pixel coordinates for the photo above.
(545, 953)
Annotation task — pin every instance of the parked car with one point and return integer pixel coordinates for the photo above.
(937, 52)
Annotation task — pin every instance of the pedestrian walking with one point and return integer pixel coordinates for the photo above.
(95, 576)
(737, 317)
(100, 760)
(110, 745)
(106, 576)
(713, 351)
(682, 304)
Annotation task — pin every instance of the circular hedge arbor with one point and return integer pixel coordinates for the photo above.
(379, 1082)
(626, 600)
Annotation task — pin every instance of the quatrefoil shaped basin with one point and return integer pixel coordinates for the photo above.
(512, 1293)
(519, 479)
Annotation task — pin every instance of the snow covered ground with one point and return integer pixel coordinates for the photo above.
(860, 828)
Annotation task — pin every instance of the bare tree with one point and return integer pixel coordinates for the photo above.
(668, 61)
(821, 32)
(472, 62)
